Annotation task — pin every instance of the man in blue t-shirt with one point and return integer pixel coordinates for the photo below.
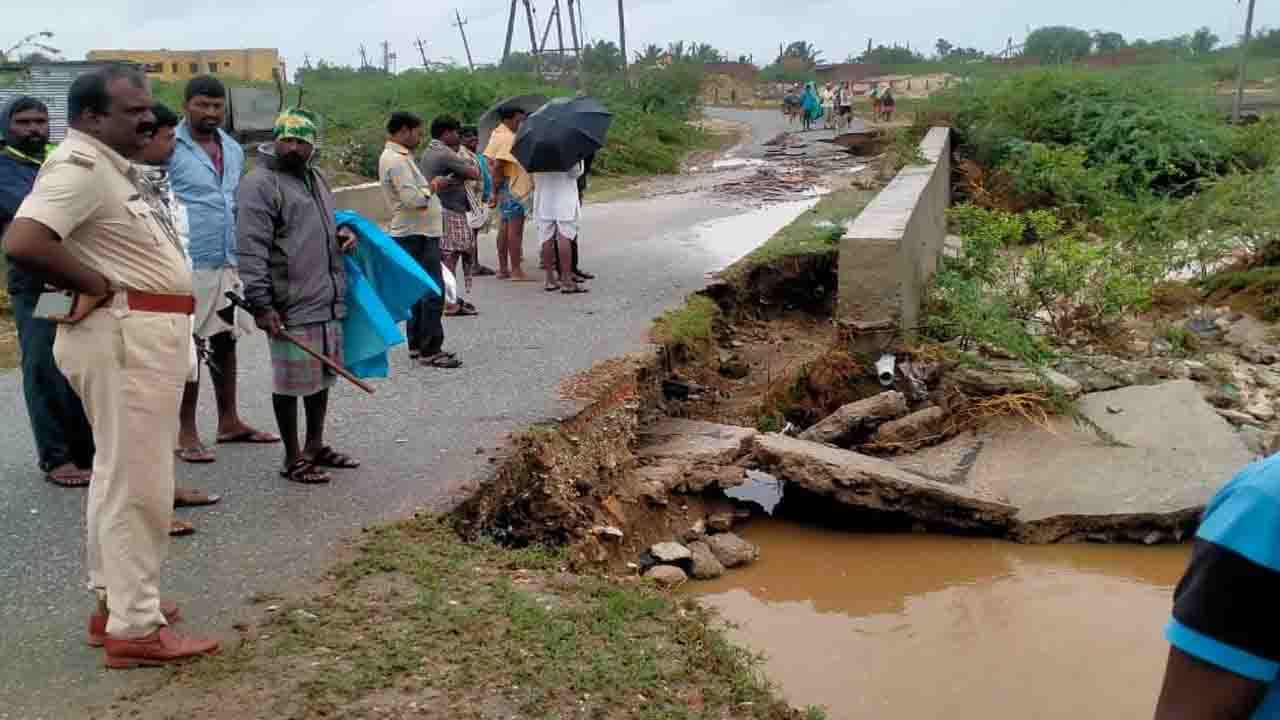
(1225, 659)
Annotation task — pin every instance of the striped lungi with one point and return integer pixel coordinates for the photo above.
(294, 372)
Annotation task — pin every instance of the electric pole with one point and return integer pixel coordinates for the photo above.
(511, 30)
(573, 30)
(465, 45)
(622, 35)
(560, 31)
(1244, 59)
(364, 57)
(533, 30)
(422, 50)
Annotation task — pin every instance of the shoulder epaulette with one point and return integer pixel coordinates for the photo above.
(82, 159)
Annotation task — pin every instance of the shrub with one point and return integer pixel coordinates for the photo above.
(1046, 176)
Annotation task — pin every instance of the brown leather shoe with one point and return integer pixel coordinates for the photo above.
(98, 622)
(162, 647)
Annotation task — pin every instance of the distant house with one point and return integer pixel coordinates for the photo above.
(729, 83)
(245, 64)
(48, 81)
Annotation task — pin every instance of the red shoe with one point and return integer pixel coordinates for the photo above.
(98, 622)
(162, 647)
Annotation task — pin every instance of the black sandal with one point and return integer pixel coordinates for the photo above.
(574, 291)
(327, 457)
(442, 360)
(304, 472)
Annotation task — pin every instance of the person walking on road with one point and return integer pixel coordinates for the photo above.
(811, 106)
(515, 187)
(417, 224)
(205, 172)
(557, 211)
(1225, 656)
(442, 159)
(91, 226)
(290, 250)
(64, 440)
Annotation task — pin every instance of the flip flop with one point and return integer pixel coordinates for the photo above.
(444, 361)
(183, 497)
(249, 437)
(72, 478)
(180, 528)
(195, 455)
(551, 288)
(574, 291)
(327, 457)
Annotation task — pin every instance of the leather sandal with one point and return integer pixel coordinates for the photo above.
(304, 472)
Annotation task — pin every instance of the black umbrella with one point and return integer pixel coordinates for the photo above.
(491, 118)
(563, 132)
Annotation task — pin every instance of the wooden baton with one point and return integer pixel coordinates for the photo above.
(345, 373)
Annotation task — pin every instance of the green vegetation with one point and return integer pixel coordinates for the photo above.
(687, 331)
(462, 629)
(650, 132)
(1085, 191)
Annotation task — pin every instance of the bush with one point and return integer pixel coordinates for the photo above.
(1051, 176)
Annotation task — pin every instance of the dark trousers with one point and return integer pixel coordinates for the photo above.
(58, 421)
(425, 331)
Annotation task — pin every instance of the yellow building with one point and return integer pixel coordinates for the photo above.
(248, 64)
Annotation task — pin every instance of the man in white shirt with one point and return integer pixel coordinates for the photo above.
(557, 211)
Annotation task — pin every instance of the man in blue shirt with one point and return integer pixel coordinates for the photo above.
(64, 440)
(1225, 660)
(205, 172)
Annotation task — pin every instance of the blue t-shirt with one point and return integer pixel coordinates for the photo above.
(1224, 609)
(17, 178)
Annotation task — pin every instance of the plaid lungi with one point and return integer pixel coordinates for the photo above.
(297, 374)
(458, 236)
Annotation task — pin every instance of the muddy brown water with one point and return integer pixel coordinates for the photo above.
(924, 626)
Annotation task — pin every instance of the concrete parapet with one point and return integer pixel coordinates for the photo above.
(891, 249)
(365, 199)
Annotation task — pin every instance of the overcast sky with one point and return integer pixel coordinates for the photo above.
(334, 29)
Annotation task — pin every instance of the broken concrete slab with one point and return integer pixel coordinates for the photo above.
(948, 463)
(1070, 484)
(869, 483)
(1099, 373)
(857, 418)
(695, 441)
(913, 429)
(1005, 377)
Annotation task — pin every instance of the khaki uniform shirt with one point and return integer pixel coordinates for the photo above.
(415, 210)
(501, 143)
(89, 195)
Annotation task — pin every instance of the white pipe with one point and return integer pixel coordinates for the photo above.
(885, 368)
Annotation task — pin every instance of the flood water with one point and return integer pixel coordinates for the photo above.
(927, 626)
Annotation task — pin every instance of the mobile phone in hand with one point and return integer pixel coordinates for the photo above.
(54, 305)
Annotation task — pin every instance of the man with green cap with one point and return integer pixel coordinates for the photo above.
(290, 251)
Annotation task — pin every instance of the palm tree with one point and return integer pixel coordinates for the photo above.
(806, 51)
(676, 50)
(704, 53)
(33, 45)
(650, 56)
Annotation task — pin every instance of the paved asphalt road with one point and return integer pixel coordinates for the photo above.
(418, 438)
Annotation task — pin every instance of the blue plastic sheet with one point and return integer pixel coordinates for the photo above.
(383, 285)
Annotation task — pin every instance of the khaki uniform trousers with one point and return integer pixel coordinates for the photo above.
(129, 369)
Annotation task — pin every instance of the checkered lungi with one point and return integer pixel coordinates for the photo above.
(458, 236)
(297, 374)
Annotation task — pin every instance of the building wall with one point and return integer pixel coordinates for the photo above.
(249, 64)
(718, 89)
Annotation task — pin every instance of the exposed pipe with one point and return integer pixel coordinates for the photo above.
(885, 369)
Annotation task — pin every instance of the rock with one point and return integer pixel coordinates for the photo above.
(857, 419)
(1098, 373)
(1235, 417)
(695, 441)
(1204, 325)
(666, 575)
(1160, 346)
(913, 428)
(669, 552)
(1114, 410)
(1225, 397)
(1247, 331)
(1271, 444)
(696, 531)
(1266, 378)
(1260, 354)
(607, 531)
(866, 483)
(1162, 369)
(1175, 452)
(732, 550)
(705, 564)
(1263, 410)
(734, 367)
(1198, 371)
(721, 521)
(1004, 378)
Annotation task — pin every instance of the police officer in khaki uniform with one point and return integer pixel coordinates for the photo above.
(95, 229)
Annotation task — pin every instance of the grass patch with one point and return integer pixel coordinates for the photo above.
(815, 232)
(1254, 291)
(687, 331)
(421, 621)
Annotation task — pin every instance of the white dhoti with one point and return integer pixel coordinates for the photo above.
(211, 288)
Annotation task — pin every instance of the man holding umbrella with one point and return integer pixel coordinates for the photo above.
(553, 144)
(514, 188)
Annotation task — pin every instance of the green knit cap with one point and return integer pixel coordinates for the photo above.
(298, 124)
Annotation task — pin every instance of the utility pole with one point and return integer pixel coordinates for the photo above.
(533, 30)
(511, 30)
(386, 57)
(422, 50)
(560, 30)
(465, 45)
(364, 57)
(622, 35)
(1244, 59)
(573, 30)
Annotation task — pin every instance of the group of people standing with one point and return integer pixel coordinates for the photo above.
(123, 243)
(833, 104)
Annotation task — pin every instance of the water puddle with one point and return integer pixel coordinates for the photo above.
(729, 239)
(924, 626)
